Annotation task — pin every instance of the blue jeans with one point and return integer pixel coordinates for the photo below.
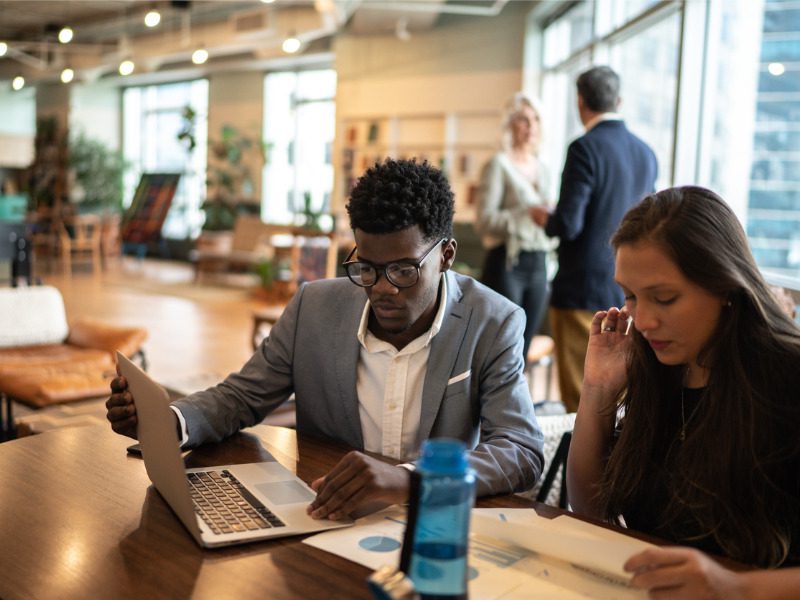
(525, 284)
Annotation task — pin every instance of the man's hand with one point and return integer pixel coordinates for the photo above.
(675, 572)
(539, 215)
(121, 411)
(355, 483)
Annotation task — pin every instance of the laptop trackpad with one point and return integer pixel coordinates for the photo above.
(285, 492)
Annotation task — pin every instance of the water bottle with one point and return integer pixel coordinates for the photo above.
(434, 554)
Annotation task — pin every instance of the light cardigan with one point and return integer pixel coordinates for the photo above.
(504, 197)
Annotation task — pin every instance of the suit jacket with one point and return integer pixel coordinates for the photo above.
(474, 387)
(606, 171)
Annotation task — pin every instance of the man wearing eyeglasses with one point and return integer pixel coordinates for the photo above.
(411, 351)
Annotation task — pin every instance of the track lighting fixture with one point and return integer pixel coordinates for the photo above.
(291, 44)
(65, 35)
(199, 56)
(126, 67)
(152, 18)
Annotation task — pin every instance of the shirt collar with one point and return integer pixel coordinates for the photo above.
(609, 116)
(363, 329)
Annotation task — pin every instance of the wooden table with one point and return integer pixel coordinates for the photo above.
(78, 519)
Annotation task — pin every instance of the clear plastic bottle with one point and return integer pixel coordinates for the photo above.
(437, 537)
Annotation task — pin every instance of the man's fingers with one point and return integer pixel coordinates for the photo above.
(334, 481)
(342, 502)
(119, 384)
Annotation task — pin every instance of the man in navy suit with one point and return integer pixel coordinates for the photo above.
(607, 171)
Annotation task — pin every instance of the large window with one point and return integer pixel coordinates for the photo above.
(299, 123)
(754, 149)
(645, 53)
(153, 116)
(713, 87)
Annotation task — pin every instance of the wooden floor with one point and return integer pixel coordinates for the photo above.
(198, 332)
(193, 328)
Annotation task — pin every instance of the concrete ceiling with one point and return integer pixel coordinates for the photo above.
(107, 31)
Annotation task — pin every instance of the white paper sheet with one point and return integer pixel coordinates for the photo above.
(565, 538)
(497, 570)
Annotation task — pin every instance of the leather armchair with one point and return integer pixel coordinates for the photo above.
(44, 360)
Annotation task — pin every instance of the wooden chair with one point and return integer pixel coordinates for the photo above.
(80, 239)
(540, 353)
(551, 487)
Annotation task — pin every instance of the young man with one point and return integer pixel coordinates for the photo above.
(411, 351)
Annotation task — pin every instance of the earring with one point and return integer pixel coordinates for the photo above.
(729, 304)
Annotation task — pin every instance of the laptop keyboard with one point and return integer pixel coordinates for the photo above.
(226, 505)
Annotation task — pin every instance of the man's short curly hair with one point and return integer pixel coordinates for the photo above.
(398, 194)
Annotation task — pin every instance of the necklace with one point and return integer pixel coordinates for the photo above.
(684, 420)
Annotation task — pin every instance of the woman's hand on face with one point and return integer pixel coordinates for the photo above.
(609, 340)
(675, 572)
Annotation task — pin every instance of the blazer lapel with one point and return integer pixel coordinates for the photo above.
(347, 350)
(445, 347)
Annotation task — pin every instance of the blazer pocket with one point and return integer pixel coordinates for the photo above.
(461, 377)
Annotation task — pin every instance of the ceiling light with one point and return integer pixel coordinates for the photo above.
(199, 56)
(67, 75)
(776, 69)
(3, 48)
(152, 18)
(291, 44)
(65, 35)
(126, 67)
(18, 83)
(267, 1)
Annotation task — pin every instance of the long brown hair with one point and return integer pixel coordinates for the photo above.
(730, 474)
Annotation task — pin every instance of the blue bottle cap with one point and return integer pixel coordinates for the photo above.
(444, 456)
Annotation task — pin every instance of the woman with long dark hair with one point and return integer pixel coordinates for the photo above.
(689, 420)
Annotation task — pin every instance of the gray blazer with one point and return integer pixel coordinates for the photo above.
(313, 351)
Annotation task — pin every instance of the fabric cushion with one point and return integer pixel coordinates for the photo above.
(93, 333)
(31, 315)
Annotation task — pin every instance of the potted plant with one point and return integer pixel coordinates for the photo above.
(228, 181)
(96, 186)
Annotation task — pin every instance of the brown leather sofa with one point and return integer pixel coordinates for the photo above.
(44, 360)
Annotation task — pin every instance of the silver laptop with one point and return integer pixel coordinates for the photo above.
(223, 505)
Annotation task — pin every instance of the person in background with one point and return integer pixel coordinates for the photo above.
(403, 351)
(606, 171)
(512, 182)
(688, 420)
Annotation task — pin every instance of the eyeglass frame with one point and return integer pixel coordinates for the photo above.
(383, 268)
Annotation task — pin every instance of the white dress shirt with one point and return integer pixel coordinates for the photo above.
(389, 387)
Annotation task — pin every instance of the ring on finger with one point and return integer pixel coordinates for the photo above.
(608, 328)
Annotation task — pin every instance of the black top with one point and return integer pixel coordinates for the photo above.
(646, 513)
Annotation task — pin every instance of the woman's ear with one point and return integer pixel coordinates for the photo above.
(448, 254)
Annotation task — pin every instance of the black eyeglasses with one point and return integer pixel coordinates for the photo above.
(400, 274)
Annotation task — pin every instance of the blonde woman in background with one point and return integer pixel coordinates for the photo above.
(513, 182)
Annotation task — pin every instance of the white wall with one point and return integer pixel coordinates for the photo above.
(237, 99)
(17, 127)
(463, 65)
(95, 109)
